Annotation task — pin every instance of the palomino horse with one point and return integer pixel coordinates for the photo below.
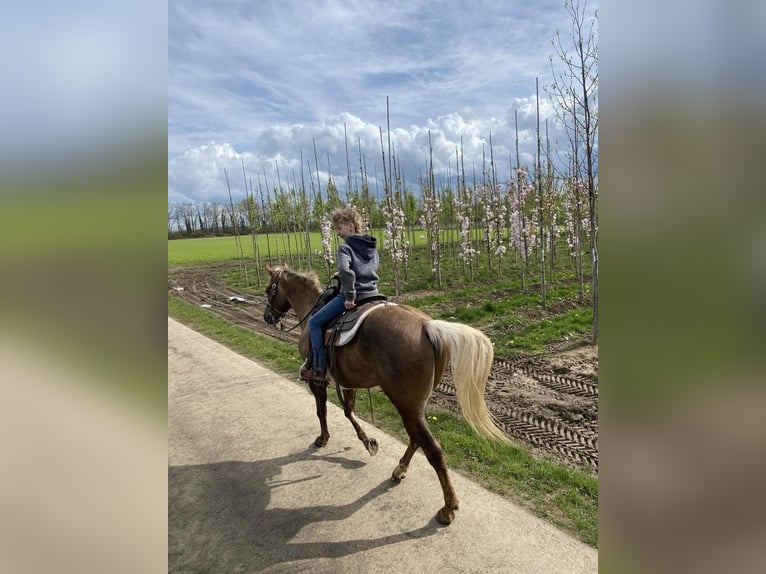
(404, 352)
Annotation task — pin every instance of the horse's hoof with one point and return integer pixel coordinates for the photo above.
(372, 447)
(398, 474)
(445, 516)
(321, 441)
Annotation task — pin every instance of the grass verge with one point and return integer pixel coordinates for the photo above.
(565, 497)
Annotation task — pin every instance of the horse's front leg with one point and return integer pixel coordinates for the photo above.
(320, 396)
(349, 401)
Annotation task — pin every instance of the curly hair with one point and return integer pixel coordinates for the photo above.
(347, 214)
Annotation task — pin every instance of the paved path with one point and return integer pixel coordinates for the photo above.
(248, 491)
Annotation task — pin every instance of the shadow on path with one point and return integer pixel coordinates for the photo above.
(218, 520)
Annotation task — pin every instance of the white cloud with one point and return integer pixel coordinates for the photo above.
(271, 80)
(198, 173)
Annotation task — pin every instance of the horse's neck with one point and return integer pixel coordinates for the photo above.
(303, 304)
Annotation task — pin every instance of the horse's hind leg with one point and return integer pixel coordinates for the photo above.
(400, 471)
(320, 397)
(421, 436)
(349, 401)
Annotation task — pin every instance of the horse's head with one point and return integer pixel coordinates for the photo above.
(277, 304)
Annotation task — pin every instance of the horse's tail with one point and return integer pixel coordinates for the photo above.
(471, 357)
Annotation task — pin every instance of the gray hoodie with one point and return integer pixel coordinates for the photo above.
(358, 267)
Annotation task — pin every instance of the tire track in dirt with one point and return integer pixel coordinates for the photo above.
(550, 401)
(555, 413)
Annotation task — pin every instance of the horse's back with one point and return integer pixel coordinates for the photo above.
(396, 325)
(391, 347)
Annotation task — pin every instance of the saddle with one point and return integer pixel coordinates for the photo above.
(342, 329)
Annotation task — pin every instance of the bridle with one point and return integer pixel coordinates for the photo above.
(270, 307)
(269, 312)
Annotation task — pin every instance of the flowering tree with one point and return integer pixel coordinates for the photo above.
(575, 222)
(463, 215)
(493, 218)
(327, 254)
(431, 223)
(575, 89)
(366, 224)
(395, 238)
(523, 230)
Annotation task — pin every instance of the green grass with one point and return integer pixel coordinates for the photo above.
(514, 320)
(215, 249)
(532, 338)
(207, 250)
(565, 497)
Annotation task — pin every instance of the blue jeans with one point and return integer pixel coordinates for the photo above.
(332, 309)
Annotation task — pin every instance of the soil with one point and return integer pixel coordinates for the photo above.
(549, 401)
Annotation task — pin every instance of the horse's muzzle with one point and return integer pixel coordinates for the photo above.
(268, 316)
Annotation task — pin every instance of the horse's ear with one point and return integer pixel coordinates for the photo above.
(283, 263)
(269, 270)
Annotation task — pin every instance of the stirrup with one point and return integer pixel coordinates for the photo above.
(304, 371)
(305, 375)
(313, 376)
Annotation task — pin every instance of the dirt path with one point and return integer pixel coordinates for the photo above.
(549, 401)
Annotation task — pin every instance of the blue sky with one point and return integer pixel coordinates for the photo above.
(260, 82)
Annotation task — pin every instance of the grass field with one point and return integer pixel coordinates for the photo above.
(216, 249)
(208, 250)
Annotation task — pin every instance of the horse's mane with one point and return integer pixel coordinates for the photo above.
(307, 278)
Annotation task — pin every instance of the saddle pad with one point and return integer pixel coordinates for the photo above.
(346, 336)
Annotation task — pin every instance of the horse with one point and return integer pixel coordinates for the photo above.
(403, 351)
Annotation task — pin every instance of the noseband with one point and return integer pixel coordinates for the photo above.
(269, 307)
